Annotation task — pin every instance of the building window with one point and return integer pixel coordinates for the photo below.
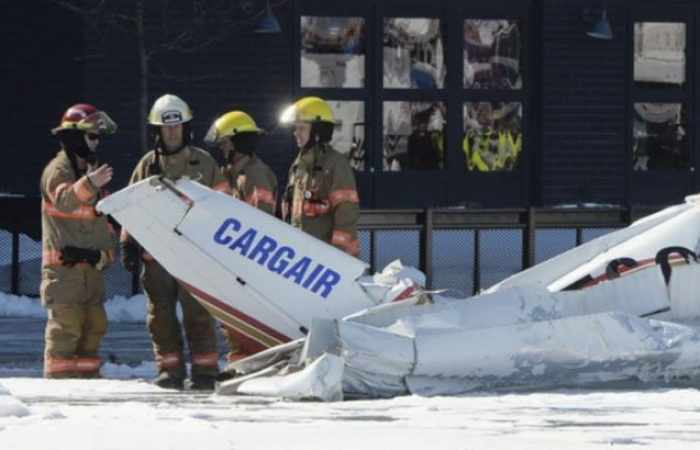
(660, 97)
(414, 135)
(659, 137)
(399, 97)
(349, 132)
(414, 54)
(492, 54)
(332, 63)
(659, 53)
(492, 132)
(332, 52)
(493, 136)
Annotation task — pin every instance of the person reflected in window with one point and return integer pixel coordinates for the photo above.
(425, 142)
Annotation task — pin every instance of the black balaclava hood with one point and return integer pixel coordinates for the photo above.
(244, 143)
(321, 132)
(73, 142)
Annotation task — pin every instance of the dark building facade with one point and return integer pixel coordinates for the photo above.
(438, 103)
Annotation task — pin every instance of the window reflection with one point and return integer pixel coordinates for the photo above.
(492, 54)
(414, 135)
(493, 136)
(659, 53)
(332, 52)
(349, 131)
(659, 136)
(414, 53)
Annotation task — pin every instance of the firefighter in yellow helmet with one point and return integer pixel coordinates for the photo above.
(321, 194)
(77, 243)
(252, 181)
(173, 156)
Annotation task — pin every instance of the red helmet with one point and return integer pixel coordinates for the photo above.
(85, 117)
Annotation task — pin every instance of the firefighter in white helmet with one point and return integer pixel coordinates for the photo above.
(173, 156)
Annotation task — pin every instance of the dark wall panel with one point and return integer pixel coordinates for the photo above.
(583, 107)
(42, 62)
(242, 70)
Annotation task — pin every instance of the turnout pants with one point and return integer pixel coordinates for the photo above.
(163, 292)
(74, 298)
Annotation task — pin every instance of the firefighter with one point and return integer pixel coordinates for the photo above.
(77, 244)
(321, 195)
(173, 157)
(251, 180)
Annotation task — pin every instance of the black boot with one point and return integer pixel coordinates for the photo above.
(202, 382)
(168, 380)
(226, 375)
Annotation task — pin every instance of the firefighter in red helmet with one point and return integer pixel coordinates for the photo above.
(77, 243)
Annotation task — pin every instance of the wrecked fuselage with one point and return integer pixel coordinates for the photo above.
(617, 308)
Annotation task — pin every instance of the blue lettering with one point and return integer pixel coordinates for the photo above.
(277, 259)
(219, 236)
(298, 270)
(312, 276)
(329, 279)
(244, 241)
(277, 264)
(264, 247)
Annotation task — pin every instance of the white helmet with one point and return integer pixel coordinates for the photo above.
(169, 110)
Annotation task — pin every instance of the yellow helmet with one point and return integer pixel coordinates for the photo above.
(169, 110)
(307, 109)
(231, 124)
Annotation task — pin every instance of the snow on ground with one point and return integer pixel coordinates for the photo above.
(117, 414)
(119, 309)
(10, 406)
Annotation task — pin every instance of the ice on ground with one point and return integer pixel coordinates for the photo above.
(115, 414)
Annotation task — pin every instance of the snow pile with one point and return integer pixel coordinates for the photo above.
(126, 309)
(119, 308)
(10, 406)
(20, 306)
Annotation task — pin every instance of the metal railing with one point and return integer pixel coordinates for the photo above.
(24, 255)
(527, 220)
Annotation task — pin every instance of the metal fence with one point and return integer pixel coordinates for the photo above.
(465, 250)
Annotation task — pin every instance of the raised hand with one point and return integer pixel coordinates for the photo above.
(100, 176)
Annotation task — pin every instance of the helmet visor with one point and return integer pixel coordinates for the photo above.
(99, 123)
(212, 137)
